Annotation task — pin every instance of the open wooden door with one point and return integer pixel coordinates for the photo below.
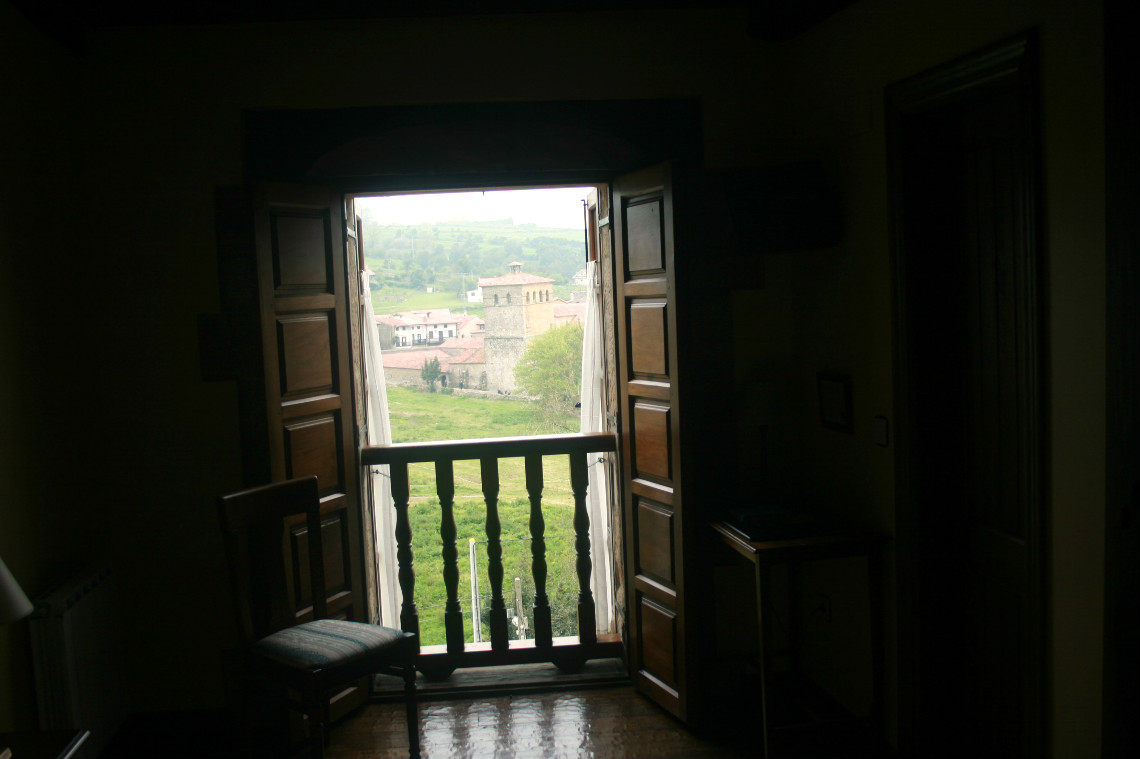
(660, 523)
(293, 346)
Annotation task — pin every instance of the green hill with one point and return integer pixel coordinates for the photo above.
(452, 256)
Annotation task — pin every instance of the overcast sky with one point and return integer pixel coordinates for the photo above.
(559, 207)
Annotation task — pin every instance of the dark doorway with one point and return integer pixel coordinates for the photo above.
(1122, 518)
(964, 198)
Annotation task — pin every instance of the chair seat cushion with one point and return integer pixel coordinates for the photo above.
(326, 643)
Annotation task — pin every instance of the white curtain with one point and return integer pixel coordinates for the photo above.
(593, 420)
(379, 433)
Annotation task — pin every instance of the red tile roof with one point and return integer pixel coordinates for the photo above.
(464, 343)
(570, 311)
(414, 359)
(472, 356)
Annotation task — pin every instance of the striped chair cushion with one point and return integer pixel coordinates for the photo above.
(325, 643)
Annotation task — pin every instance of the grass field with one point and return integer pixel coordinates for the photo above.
(392, 299)
(422, 416)
(453, 256)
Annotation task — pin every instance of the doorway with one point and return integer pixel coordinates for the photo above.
(342, 153)
(481, 318)
(964, 187)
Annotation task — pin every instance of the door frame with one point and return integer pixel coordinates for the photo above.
(462, 146)
(1011, 63)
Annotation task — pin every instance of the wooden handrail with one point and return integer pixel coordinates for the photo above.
(488, 452)
(495, 447)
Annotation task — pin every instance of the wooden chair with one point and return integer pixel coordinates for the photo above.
(304, 651)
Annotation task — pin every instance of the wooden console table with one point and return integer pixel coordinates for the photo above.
(827, 544)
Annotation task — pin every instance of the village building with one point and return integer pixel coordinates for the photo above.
(579, 284)
(517, 307)
(568, 313)
(426, 327)
(475, 352)
(404, 367)
(470, 326)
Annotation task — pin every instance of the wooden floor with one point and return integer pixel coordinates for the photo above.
(598, 722)
(496, 713)
(537, 712)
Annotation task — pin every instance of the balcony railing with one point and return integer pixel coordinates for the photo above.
(567, 652)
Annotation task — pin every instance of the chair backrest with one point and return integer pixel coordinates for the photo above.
(267, 545)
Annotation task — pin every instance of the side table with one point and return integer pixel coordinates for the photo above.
(827, 544)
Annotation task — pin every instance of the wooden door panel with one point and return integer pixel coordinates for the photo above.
(644, 238)
(651, 441)
(649, 338)
(645, 296)
(659, 637)
(296, 234)
(306, 354)
(312, 446)
(655, 540)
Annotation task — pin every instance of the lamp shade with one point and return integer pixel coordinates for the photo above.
(14, 603)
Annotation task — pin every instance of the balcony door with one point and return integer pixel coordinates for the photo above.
(398, 148)
(672, 419)
(283, 265)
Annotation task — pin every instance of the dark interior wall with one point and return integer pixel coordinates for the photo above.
(139, 130)
(44, 361)
(838, 304)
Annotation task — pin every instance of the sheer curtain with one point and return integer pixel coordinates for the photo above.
(379, 433)
(593, 420)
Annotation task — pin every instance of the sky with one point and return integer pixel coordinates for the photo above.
(560, 207)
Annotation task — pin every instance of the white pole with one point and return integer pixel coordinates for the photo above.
(520, 617)
(476, 613)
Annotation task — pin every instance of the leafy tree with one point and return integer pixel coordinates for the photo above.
(430, 372)
(551, 369)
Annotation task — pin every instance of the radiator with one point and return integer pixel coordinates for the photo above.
(76, 649)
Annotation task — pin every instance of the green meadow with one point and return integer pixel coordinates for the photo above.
(421, 416)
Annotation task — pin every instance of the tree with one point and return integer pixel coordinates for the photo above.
(430, 372)
(551, 369)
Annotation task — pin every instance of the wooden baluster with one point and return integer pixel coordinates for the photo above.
(453, 612)
(579, 483)
(543, 637)
(409, 615)
(489, 471)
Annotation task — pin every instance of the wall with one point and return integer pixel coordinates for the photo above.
(162, 116)
(156, 118)
(830, 107)
(45, 357)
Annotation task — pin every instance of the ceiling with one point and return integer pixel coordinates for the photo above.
(772, 20)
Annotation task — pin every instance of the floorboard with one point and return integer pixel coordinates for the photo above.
(597, 722)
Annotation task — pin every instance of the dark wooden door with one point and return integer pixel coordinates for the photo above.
(658, 640)
(1122, 519)
(970, 439)
(307, 382)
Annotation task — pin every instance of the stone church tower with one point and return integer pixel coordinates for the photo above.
(516, 308)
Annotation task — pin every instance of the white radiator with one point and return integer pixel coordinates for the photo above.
(76, 647)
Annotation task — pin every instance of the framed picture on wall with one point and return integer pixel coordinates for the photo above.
(835, 401)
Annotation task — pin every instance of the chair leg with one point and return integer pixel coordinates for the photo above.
(316, 713)
(413, 711)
